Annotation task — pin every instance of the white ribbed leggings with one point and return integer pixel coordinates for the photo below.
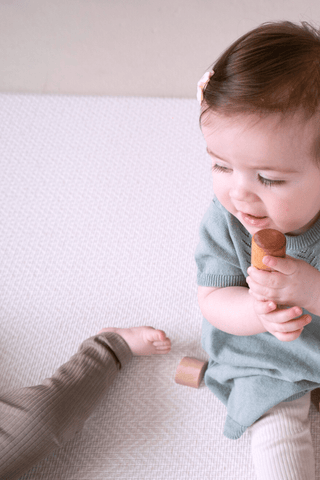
(281, 442)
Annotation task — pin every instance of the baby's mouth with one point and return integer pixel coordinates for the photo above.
(253, 216)
(253, 221)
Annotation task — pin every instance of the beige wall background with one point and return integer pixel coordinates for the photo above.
(126, 47)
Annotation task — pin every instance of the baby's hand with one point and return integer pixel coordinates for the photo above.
(280, 322)
(293, 282)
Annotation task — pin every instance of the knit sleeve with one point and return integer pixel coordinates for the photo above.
(216, 256)
(36, 420)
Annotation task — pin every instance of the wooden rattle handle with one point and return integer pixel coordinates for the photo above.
(267, 242)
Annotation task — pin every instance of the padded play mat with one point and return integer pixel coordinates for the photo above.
(100, 204)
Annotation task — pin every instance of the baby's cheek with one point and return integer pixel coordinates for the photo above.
(283, 209)
(288, 216)
(225, 200)
(219, 192)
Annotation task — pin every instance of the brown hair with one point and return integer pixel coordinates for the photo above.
(273, 69)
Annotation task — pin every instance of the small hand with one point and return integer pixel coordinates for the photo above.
(282, 323)
(294, 282)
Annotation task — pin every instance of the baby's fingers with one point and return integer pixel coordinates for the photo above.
(297, 327)
(262, 308)
(288, 337)
(282, 322)
(289, 329)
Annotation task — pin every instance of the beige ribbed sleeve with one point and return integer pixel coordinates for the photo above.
(34, 421)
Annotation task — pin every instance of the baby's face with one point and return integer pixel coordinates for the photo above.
(265, 170)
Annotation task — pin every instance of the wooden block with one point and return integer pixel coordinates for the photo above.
(190, 372)
(267, 242)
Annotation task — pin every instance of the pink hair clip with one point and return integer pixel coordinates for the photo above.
(202, 84)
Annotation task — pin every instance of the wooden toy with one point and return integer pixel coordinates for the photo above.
(190, 372)
(267, 242)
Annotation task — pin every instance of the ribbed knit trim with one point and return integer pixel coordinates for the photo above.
(120, 348)
(207, 280)
(306, 239)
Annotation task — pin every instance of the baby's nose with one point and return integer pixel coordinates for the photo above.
(241, 194)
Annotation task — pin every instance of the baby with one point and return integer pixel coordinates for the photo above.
(260, 121)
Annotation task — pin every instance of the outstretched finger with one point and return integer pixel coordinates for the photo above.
(296, 324)
(285, 314)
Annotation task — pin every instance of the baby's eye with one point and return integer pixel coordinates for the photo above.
(264, 181)
(270, 183)
(218, 168)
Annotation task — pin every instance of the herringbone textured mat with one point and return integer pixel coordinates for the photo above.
(100, 204)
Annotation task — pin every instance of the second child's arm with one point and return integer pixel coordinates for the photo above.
(233, 310)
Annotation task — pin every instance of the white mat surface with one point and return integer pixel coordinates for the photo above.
(100, 204)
